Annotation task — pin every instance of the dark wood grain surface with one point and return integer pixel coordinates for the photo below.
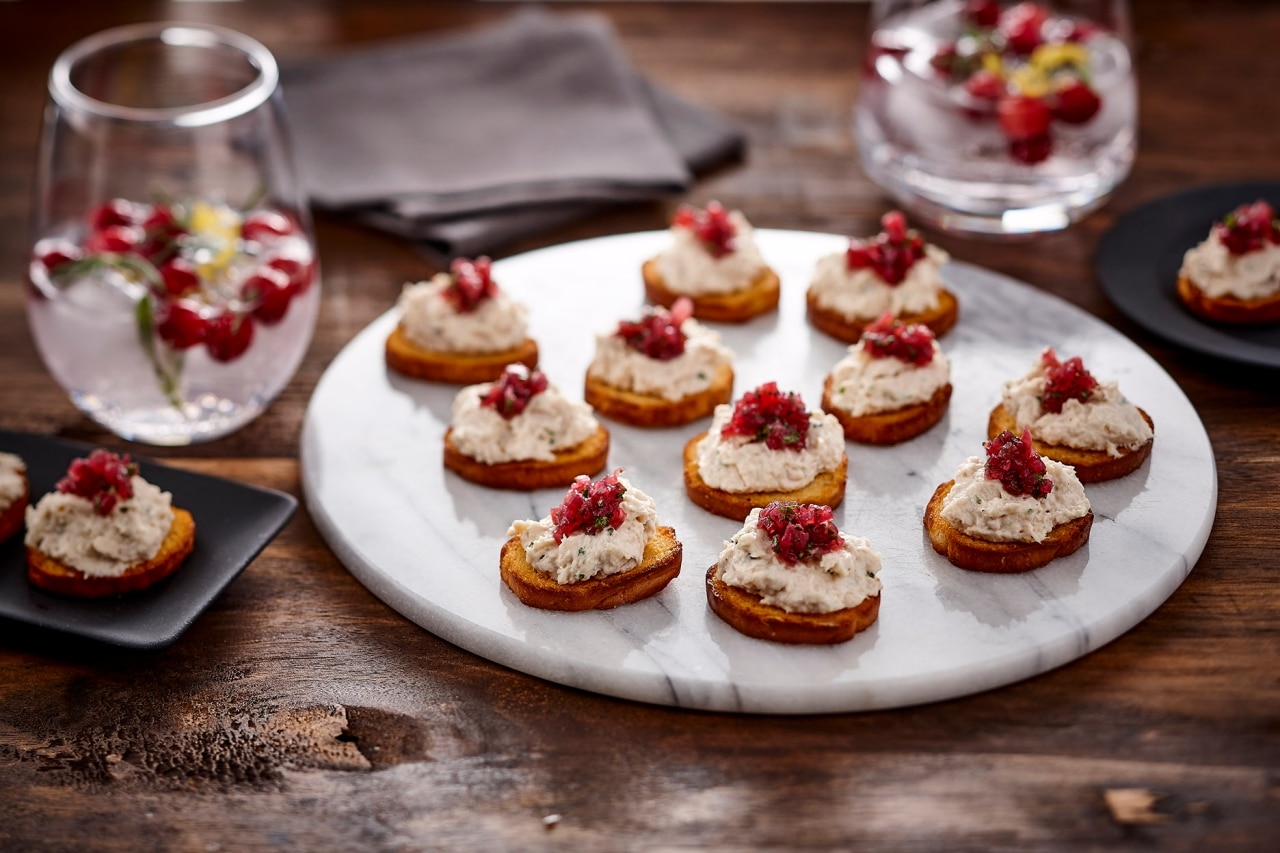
(301, 713)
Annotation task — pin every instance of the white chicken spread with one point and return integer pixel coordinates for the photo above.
(429, 320)
(983, 509)
(687, 267)
(691, 372)
(864, 385)
(549, 423)
(66, 528)
(1218, 273)
(12, 485)
(1107, 421)
(862, 294)
(582, 556)
(737, 464)
(836, 580)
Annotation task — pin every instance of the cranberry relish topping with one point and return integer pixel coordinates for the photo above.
(799, 532)
(1014, 462)
(657, 334)
(711, 226)
(1065, 380)
(890, 338)
(766, 414)
(891, 253)
(510, 395)
(472, 284)
(590, 508)
(103, 478)
(1249, 228)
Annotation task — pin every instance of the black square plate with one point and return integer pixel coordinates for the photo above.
(234, 522)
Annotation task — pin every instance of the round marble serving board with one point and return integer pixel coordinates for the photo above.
(426, 542)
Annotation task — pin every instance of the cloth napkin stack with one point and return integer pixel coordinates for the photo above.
(470, 141)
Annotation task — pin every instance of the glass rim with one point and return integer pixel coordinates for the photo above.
(174, 34)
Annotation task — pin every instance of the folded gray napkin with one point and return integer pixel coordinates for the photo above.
(473, 140)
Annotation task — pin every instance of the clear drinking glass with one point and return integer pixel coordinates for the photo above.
(173, 280)
(998, 118)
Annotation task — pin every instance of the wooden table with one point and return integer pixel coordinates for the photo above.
(300, 712)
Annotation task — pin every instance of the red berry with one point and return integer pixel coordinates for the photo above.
(1014, 462)
(1082, 31)
(161, 231)
(1075, 103)
(268, 291)
(472, 283)
(103, 478)
(590, 508)
(799, 532)
(1022, 25)
(117, 211)
(1248, 228)
(265, 225)
(1031, 151)
(657, 334)
(890, 338)
(944, 58)
(114, 238)
(985, 85)
(179, 276)
(180, 324)
(53, 253)
(891, 253)
(712, 227)
(982, 13)
(510, 395)
(228, 336)
(766, 414)
(299, 273)
(894, 224)
(1023, 117)
(1065, 380)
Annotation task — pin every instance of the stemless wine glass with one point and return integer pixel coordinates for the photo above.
(998, 118)
(173, 280)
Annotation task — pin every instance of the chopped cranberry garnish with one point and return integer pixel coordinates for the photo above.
(1248, 228)
(1022, 25)
(269, 292)
(1023, 117)
(117, 211)
(657, 334)
(471, 283)
(114, 238)
(982, 13)
(712, 227)
(590, 508)
(891, 253)
(56, 253)
(766, 414)
(179, 276)
(510, 395)
(1014, 462)
(228, 335)
(1033, 150)
(180, 324)
(1065, 380)
(799, 532)
(1075, 103)
(263, 225)
(890, 338)
(103, 478)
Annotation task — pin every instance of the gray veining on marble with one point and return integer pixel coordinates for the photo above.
(427, 542)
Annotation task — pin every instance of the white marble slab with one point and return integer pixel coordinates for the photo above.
(426, 542)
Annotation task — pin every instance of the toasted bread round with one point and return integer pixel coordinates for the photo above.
(893, 426)
(586, 457)
(982, 555)
(54, 576)
(650, 410)
(11, 519)
(1092, 466)
(1229, 309)
(659, 565)
(939, 320)
(458, 368)
(736, 306)
(827, 488)
(747, 613)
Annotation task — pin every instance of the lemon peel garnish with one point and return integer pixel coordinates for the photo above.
(1048, 58)
(217, 230)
